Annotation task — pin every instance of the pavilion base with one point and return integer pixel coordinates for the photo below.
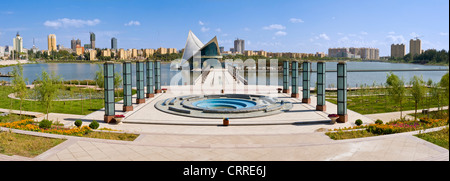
(158, 91)
(108, 119)
(306, 100)
(140, 101)
(287, 91)
(127, 108)
(149, 95)
(342, 118)
(296, 95)
(321, 108)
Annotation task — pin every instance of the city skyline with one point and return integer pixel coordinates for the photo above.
(292, 27)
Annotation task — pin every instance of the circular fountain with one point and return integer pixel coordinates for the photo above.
(219, 106)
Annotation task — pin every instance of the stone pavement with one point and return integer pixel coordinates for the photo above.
(296, 142)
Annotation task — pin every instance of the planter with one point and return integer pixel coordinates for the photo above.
(118, 120)
(333, 119)
(279, 90)
(164, 90)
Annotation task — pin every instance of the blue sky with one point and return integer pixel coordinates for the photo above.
(277, 26)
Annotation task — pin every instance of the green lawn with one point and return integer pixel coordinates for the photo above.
(80, 107)
(376, 101)
(25, 145)
(440, 137)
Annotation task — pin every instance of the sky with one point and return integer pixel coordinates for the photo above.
(274, 26)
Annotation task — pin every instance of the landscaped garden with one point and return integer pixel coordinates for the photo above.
(398, 126)
(46, 126)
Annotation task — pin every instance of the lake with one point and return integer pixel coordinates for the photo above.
(83, 71)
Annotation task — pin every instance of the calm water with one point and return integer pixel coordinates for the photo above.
(81, 71)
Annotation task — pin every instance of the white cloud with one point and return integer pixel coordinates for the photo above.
(324, 36)
(203, 29)
(296, 20)
(219, 30)
(65, 22)
(274, 27)
(133, 23)
(201, 23)
(443, 34)
(280, 33)
(364, 33)
(246, 29)
(391, 32)
(396, 38)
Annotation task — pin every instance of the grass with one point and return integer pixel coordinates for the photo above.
(112, 136)
(392, 127)
(440, 138)
(79, 107)
(372, 101)
(25, 145)
(340, 135)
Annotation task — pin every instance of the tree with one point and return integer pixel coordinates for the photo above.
(396, 88)
(417, 91)
(99, 77)
(18, 84)
(117, 81)
(47, 87)
(444, 83)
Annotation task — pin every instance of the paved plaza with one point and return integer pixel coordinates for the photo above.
(295, 135)
(273, 142)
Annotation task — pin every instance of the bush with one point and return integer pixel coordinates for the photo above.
(78, 123)
(45, 124)
(358, 122)
(378, 121)
(94, 125)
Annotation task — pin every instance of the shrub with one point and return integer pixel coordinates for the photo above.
(78, 123)
(358, 122)
(94, 125)
(378, 121)
(45, 124)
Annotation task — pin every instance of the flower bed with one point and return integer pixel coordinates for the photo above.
(392, 127)
(30, 125)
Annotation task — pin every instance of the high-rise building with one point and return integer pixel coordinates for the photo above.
(73, 44)
(51, 42)
(363, 53)
(78, 42)
(92, 38)
(222, 49)
(415, 47)
(18, 43)
(113, 43)
(239, 46)
(398, 50)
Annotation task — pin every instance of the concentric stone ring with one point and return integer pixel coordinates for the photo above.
(221, 106)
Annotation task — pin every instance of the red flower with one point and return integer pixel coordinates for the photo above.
(332, 115)
(119, 116)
